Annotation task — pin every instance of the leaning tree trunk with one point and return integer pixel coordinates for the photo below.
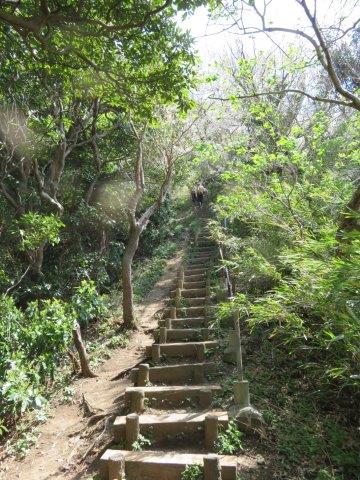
(80, 347)
(128, 296)
(349, 221)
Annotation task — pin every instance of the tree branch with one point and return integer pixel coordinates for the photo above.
(288, 90)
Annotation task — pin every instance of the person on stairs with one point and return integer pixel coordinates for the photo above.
(200, 191)
(194, 196)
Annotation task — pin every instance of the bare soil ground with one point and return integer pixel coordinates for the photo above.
(68, 446)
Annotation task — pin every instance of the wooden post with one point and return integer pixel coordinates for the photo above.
(177, 297)
(212, 468)
(211, 431)
(155, 352)
(204, 334)
(132, 430)
(143, 375)
(205, 397)
(138, 401)
(181, 277)
(168, 323)
(199, 376)
(163, 335)
(173, 312)
(200, 352)
(116, 467)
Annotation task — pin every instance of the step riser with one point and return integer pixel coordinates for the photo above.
(188, 312)
(148, 466)
(188, 350)
(191, 293)
(192, 285)
(174, 398)
(177, 374)
(169, 432)
(195, 302)
(195, 271)
(189, 323)
(185, 335)
(194, 278)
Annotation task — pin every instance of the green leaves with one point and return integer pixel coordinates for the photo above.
(34, 230)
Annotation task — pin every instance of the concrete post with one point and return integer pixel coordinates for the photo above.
(241, 394)
(138, 401)
(163, 335)
(132, 430)
(155, 353)
(205, 334)
(211, 431)
(212, 468)
(168, 324)
(116, 467)
(199, 376)
(143, 375)
(200, 352)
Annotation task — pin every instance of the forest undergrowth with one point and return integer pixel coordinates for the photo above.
(27, 387)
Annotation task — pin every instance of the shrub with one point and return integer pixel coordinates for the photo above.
(87, 304)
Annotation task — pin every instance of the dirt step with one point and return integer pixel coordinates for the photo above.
(184, 334)
(179, 396)
(190, 293)
(159, 465)
(185, 322)
(182, 349)
(178, 374)
(173, 427)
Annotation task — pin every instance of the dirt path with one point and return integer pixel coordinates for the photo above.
(60, 446)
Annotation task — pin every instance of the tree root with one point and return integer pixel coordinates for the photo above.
(89, 411)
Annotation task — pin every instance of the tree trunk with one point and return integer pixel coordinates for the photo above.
(80, 347)
(349, 221)
(38, 258)
(128, 300)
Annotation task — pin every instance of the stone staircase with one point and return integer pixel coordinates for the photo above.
(171, 400)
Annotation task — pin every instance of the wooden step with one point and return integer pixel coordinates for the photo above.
(190, 293)
(182, 349)
(195, 277)
(185, 322)
(170, 425)
(205, 249)
(190, 312)
(194, 301)
(178, 396)
(193, 292)
(196, 284)
(189, 271)
(164, 465)
(201, 257)
(197, 265)
(184, 334)
(178, 374)
(186, 312)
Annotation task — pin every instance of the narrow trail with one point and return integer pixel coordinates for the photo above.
(171, 402)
